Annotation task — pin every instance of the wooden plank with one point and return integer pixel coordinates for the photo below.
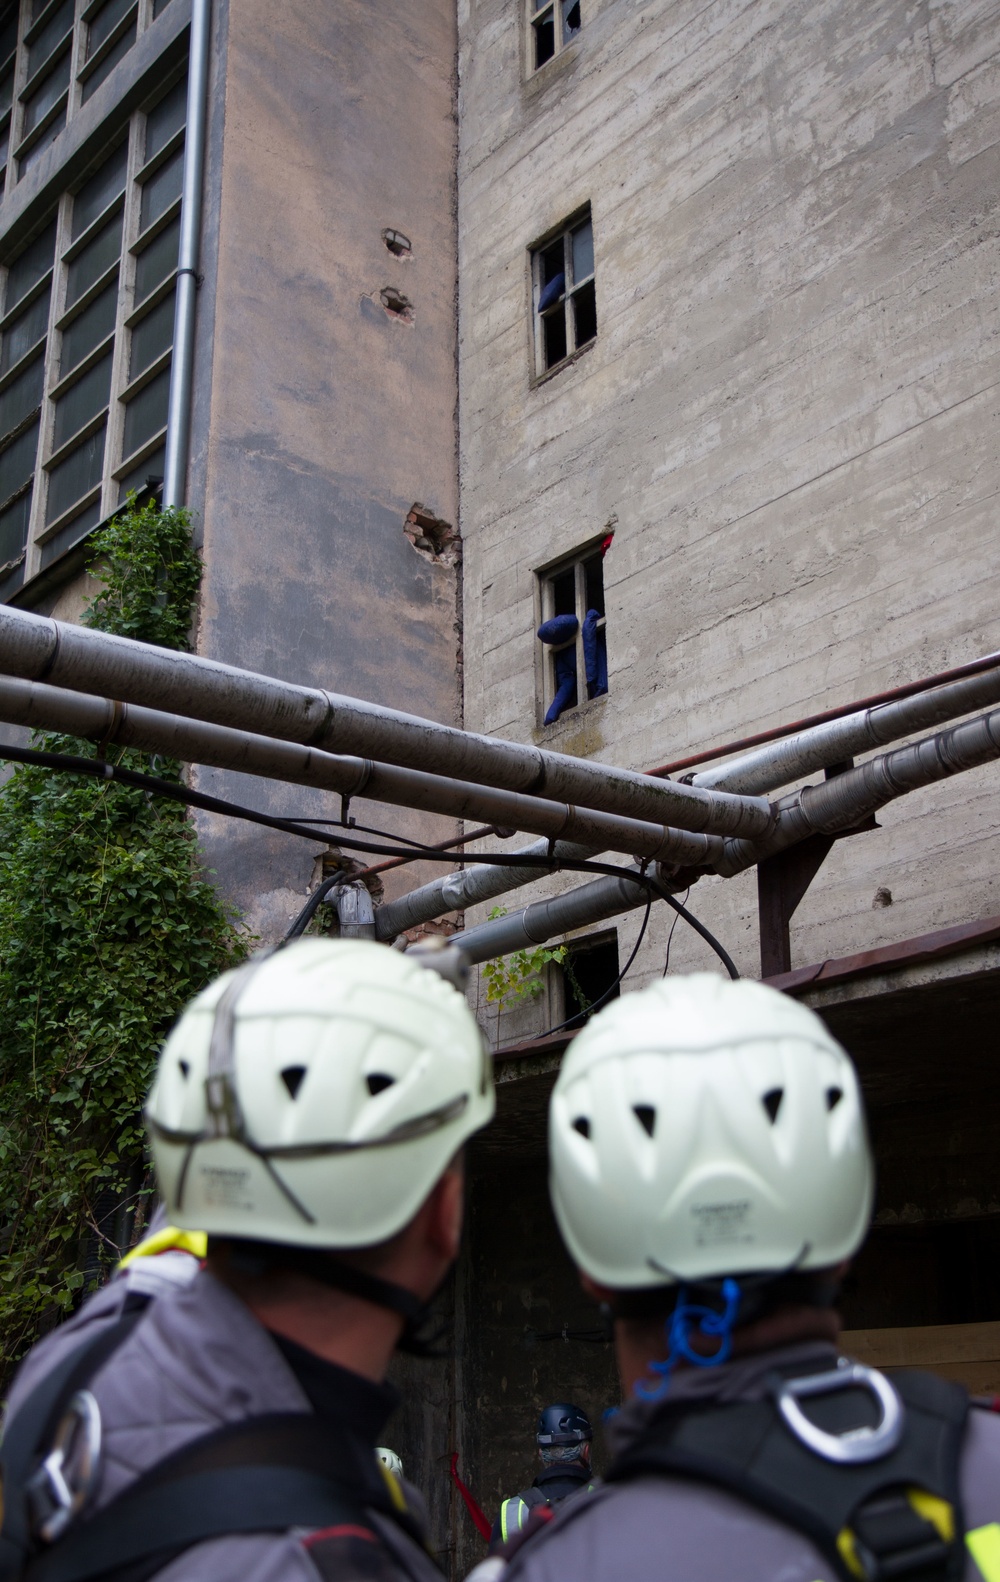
(924, 1346)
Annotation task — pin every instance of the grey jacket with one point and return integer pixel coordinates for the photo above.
(198, 1359)
(689, 1531)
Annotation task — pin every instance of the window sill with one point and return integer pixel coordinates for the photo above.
(560, 367)
(571, 722)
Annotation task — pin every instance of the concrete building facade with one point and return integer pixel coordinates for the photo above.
(514, 310)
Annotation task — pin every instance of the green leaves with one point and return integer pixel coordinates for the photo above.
(108, 926)
(512, 979)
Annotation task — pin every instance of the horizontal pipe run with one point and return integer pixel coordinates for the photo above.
(589, 903)
(908, 690)
(840, 803)
(193, 741)
(40, 649)
(456, 891)
(781, 762)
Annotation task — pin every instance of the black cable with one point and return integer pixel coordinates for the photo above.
(99, 769)
(699, 928)
(670, 936)
(595, 1005)
(319, 894)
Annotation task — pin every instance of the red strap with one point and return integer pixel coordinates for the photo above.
(482, 1524)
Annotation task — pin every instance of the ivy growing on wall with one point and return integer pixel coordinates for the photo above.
(108, 925)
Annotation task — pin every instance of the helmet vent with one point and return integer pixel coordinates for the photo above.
(185, 1068)
(582, 1125)
(292, 1078)
(646, 1116)
(833, 1097)
(772, 1103)
(378, 1082)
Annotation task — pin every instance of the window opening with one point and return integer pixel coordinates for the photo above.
(564, 294)
(589, 972)
(553, 23)
(574, 630)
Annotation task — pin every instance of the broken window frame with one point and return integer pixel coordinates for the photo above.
(549, 23)
(574, 291)
(546, 579)
(580, 946)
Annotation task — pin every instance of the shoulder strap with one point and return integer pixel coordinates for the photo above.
(265, 1474)
(897, 1516)
(32, 1427)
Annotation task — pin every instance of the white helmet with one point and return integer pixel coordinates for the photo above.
(389, 1460)
(701, 1128)
(314, 1097)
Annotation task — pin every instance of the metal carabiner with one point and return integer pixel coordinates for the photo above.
(58, 1491)
(857, 1444)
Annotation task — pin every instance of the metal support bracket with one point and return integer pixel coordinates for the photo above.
(783, 880)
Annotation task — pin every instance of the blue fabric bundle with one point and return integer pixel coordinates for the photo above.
(551, 293)
(595, 653)
(562, 629)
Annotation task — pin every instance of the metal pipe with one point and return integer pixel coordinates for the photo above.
(589, 903)
(841, 803)
(455, 891)
(780, 762)
(38, 648)
(987, 662)
(182, 363)
(193, 741)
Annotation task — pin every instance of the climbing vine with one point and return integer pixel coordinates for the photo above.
(108, 925)
(510, 980)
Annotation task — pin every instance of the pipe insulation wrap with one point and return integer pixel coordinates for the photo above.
(40, 649)
(194, 741)
(839, 804)
(456, 891)
(543, 920)
(780, 762)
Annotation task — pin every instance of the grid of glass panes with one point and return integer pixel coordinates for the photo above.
(552, 23)
(53, 55)
(576, 587)
(85, 343)
(564, 294)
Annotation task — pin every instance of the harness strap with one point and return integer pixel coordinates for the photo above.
(32, 1427)
(892, 1517)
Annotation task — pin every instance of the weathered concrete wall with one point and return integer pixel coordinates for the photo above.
(790, 407)
(328, 416)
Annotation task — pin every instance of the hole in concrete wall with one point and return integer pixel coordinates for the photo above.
(396, 304)
(432, 536)
(399, 245)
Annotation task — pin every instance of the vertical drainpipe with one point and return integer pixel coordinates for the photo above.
(182, 367)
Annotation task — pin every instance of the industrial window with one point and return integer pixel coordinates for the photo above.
(86, 335)
(573, 631)
(53, 55)
(551, 25)
(563, 291)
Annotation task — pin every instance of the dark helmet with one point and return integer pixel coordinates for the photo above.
(563, 1424)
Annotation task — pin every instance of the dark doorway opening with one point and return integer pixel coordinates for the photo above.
(590, 975)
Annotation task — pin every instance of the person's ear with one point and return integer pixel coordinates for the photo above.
(601, 1294)
(447, 1210)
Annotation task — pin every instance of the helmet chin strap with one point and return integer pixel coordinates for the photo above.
(257, 1258)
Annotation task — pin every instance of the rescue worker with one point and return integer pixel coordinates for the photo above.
(711, 1176)
(219, 1422)
(563, 1438)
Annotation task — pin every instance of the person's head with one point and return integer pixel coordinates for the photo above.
(309, 1113)
(563, 1435)
(710, 1166)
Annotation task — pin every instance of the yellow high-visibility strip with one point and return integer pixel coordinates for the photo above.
(938, 1512)
(393, 1484)
(169, 1239)
(984, 1547)
(503, 1520)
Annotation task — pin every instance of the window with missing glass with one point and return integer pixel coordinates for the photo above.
(551, 26)
(86, 337)
(54, 54)
(564, 294)
(573, 630)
